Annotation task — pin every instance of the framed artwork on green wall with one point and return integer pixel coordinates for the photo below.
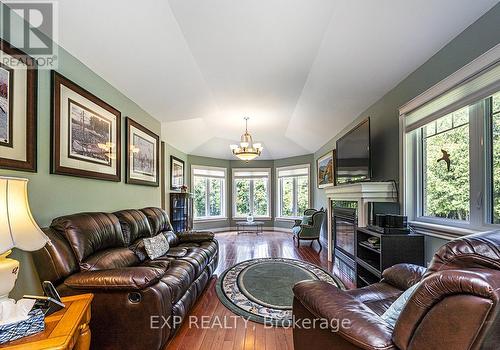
(18, 114)
(325, 167)
(143, 160)
(176, 173)
(85, 133)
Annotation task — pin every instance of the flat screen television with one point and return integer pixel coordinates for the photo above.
(353, 155)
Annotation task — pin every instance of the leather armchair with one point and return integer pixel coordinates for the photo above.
(309, 232)
(456, 305)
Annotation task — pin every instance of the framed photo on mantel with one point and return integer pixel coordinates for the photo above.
(143, 149)
(85, 133)
(18, 115)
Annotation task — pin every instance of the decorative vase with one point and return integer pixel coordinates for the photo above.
(249, 218)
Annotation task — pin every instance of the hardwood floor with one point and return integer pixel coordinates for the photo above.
(235, 334)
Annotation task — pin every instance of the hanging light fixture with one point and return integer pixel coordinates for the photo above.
(247, 150)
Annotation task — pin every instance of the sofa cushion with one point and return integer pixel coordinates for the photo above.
(134, 225)
(178, 278)
(158, 219)
(391, 315)
(89, 233)
(114, 258)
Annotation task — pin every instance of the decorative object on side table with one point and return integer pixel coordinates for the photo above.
(19, 230)
(325, 167)
(18, 93)
(67, 329)
(176, 173)
(85, 133)
(143, 149)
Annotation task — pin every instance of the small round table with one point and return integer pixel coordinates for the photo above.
(259, 227)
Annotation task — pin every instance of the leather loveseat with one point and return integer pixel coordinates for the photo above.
(138, 303)
(456, 306)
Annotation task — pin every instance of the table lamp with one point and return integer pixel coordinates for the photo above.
(18, 229)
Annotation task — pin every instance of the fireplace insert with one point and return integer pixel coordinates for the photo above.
(344, 223)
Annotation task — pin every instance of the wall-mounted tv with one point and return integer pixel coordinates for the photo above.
(353, 155)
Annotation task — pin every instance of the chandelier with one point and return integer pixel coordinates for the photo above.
(247, 150)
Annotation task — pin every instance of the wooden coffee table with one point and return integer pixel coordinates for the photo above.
(258, 227)
(66, 329)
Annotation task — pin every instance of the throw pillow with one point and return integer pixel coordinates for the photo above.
(391, 315)
(307, 220)
(156, 246)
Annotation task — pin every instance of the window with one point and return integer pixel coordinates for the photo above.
(446, 163)
(293, 191)
(452, 156)
(251, 192)
(209, 188)
(495, 156)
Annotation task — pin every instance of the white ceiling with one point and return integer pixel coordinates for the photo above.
(300, 69)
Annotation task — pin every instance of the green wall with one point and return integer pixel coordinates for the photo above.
(468, 45)
(54, 195)
(232, 164)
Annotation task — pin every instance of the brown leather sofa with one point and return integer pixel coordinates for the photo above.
(138, 303)
(455, 307)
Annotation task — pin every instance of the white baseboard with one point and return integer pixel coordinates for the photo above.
(229, 229)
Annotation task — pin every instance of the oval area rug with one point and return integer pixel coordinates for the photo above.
(261, 289)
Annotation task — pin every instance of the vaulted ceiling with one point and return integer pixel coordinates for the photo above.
(300, 69)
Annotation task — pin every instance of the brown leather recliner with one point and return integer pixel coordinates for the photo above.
(455, 307)
(138, 303)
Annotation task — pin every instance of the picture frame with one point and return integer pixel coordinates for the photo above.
(85, 133)
(177, 173)
(325, 170)
(18, 109)
(143, 155)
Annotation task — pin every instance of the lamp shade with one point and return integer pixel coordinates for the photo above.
(18, 229)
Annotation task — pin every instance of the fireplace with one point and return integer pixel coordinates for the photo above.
(345, 220)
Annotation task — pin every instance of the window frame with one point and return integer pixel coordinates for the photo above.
(279, 189)
(269, 198)
(223, 215)
(480, 170)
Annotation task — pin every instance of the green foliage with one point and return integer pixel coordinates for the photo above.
(214, 200)
(260, 200)
(200, 193)
(215, 197)
(242, 197)
(446, 193)
(496, 158)
(302, 194)
(287, 196)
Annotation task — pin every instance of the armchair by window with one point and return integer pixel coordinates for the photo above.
(309, 228)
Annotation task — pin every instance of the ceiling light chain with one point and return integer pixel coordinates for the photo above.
(247, 149)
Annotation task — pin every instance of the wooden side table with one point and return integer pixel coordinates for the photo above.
(66, 329)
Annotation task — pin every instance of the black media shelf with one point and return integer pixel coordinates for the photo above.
(391, 249)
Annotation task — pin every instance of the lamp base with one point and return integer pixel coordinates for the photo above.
(9, 268)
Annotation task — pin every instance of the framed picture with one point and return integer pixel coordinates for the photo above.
(18, 114)
(176, 173)
(325, 166)
(143, 161)
(85, 133)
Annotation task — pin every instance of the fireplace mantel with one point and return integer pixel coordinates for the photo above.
(363, 193)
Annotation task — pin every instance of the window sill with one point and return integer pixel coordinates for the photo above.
(287, 218)
(201, 220)
(441, 231)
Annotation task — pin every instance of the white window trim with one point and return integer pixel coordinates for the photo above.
(223, 215)
(410, 197)
(279, 217)
(269, 199)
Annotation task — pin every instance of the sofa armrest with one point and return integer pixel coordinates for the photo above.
(360, 326)
(128, 278)
(403, 276)
(195, 236)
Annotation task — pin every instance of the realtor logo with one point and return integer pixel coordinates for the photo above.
(31, 26)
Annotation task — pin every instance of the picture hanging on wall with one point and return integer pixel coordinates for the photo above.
(18, 117)
(85, 133)
(143, 161)
(325, 167)
(176, 173)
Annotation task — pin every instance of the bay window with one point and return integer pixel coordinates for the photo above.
(209, 188)
(251, 192)
(293, 191)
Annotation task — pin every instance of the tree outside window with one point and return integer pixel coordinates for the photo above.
(251, 192)
(293, 191)
(208, 193)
